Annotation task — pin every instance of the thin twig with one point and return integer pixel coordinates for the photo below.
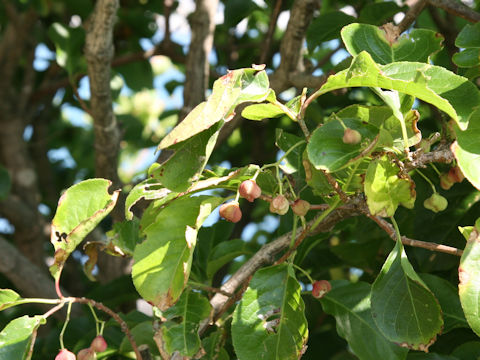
(388, 228)
(297, 243)
(411, 15)
(116, 317)
(333, 183)
(271, 30)
(80, 100)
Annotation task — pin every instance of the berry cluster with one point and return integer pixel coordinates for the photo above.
(98, 345)
(250, 190)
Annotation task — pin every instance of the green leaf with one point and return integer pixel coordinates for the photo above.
(123, 238)
(468, 40)
(5, 183)
(350, 305)
(403, 308)
(225, 252)
(237, 10)
(467, 58)
(230, 90)
(447, 296)
(293, 161)
(467, 150)
(326, 149)
(467, 351)
(469, 279)
(327, 27)
(262, 111)
(385, 189)
(163, 260)
(382, 117)
(142, 334)
(417, 45)
(269, 321)
(180, 331)
(379, 12)
(8, 298)
(453, 94)
(80, 209)
(188, 161)
(149, 189)
(212, 345)
(16, 337)
(138, 75)
(69, 47)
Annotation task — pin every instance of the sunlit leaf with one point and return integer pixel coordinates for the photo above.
(180, 331)
(162, 262)
(80, 210)
(451, 93)
(15, 338)
(385, 189)
(416, 45)
(469, 279)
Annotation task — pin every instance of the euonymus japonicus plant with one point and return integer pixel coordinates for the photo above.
(363, 160)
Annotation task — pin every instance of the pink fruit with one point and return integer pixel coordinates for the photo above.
(231, 211)
(249, 190)
(351, 136)
(455, 175)
(445, 182)
(64, 354)
(86, 354)
(300, 207)
(279, 205)
(99, 344)
(320, 288)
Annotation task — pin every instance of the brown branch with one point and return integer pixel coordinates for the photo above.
(456, 8)
(389, 229)
(266, 255)
(267, 41)
(291, 47)
(99, 53)
(116, 317)
(202, 24)
(334, 184)
(29, 279)
(442, 154)
(410, 16)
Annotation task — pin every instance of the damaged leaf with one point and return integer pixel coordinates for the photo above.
(163, 260)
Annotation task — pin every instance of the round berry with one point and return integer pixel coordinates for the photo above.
(231, 211)
(436, 203)
(99, 344)
(351, 136)
(320, 288)
(64, 354)
(86, 354)
(300, 207)
(249, 190)
(279, 205)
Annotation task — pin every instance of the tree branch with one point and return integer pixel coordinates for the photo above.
(456, 8)
(292, 44)
(388, 228)
(411, 15)
(29, 279)
(267, 41)
(202, 24)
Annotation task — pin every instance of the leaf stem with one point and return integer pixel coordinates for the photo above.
(304, 272)
(426, 179)
(397, 230)
(67, 320)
